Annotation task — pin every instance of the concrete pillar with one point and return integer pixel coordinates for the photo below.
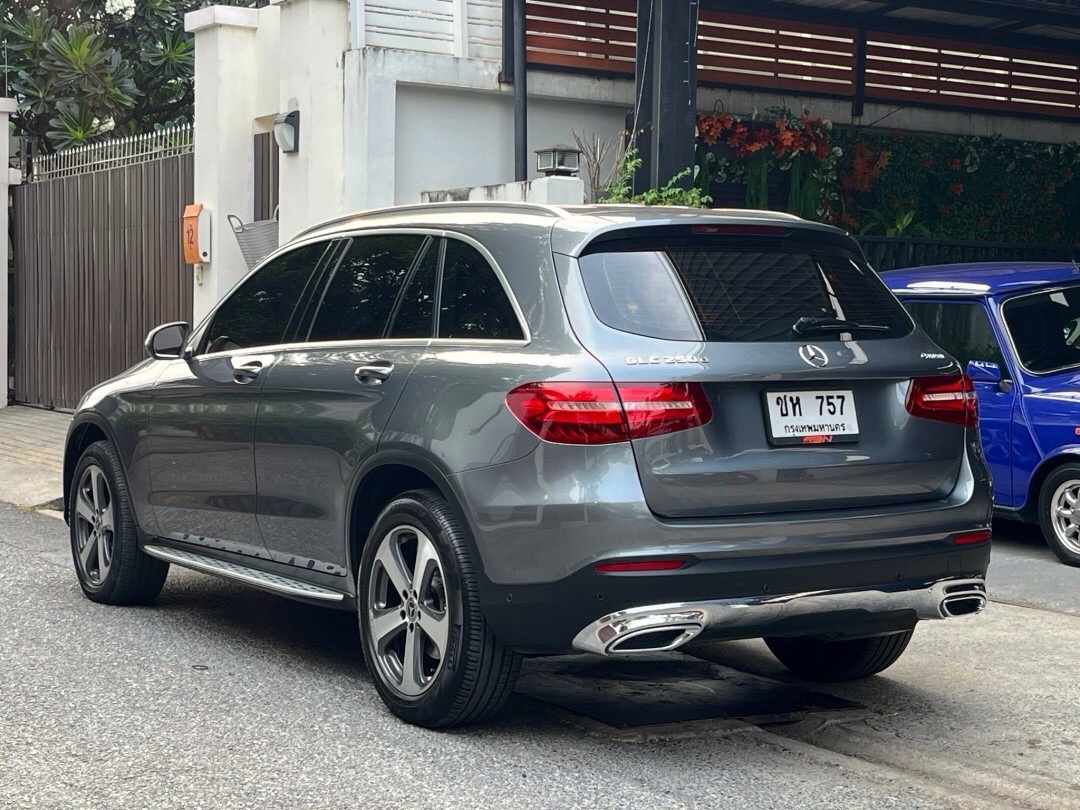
(311, 55)
(8, 178)
(371, 130)
(226, 78)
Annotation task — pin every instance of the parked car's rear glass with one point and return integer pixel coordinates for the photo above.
(682, 291)
(1045, 328)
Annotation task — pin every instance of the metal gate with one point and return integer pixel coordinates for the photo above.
(97, 263)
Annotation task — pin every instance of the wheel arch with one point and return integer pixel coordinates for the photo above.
(86, 428)
(386, 476)
(1060, 457)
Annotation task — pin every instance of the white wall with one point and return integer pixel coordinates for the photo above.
(449, 138)
(8, 177)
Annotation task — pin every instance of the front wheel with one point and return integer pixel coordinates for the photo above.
(434, 660)
(845, 660)
(1059, 513)
(111, 567)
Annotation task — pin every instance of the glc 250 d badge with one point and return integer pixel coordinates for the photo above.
(813, 355)
(657, 360)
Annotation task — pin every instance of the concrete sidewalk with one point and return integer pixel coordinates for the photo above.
(31, 454)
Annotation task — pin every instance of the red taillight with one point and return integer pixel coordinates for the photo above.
(602, 413)
(949, 398)
(630, 566)
(966, 538)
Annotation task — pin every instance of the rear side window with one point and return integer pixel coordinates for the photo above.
(1045, 328)
(718, 293)
(359, 299)
(473, 304)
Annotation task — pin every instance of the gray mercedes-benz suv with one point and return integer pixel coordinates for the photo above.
(496, 430)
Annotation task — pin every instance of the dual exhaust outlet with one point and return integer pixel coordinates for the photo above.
(660, 628)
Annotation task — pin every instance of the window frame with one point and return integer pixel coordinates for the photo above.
(196, 344)
(999, 308)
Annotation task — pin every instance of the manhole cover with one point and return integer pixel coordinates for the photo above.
(672, 688)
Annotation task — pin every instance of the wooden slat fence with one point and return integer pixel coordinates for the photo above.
(97, 265)
(760, 53)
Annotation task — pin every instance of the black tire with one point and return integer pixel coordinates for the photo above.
(474, 674)
(113, 570)
(1061, 531)
(846, 660)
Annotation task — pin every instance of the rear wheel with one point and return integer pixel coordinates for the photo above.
(846, 660)
(1059, 513)
(111, 567)
(434, 660)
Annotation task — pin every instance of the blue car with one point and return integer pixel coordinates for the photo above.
(1015, 327)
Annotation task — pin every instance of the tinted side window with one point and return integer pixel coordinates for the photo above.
(360, 297)
(258, 312)
(473, 303)
(414, 316)
(962, 329)
(1045, 327)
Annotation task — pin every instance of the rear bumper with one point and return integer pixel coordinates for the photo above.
(840, 594)
(665, 627)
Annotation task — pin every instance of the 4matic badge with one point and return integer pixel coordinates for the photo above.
(657, 360)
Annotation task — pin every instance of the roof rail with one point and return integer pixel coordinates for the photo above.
(438, 207)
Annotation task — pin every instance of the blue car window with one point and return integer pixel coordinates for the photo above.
(1045, 327)
(961, 328)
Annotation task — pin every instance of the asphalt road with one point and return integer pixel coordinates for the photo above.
(220, 696)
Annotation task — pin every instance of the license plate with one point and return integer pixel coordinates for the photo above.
(811, 417)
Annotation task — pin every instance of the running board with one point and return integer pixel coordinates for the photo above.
(241, 573)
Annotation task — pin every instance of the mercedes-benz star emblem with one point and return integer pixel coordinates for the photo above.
(813, 355)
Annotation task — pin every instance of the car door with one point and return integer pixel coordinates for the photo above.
(329, 395)
(964, 330)
(202, 417)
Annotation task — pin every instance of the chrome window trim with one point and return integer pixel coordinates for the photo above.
(999, 309)
(196, 335)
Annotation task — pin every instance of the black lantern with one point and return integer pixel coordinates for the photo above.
(558, 161)
(287, 131)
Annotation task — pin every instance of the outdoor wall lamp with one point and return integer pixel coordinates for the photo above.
(558, 161)
(287, 131)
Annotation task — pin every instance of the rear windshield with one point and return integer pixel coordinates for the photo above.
(716, 293)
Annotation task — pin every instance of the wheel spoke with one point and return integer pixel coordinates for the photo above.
(83, 508)
(386, 625)
(390, 559)
(107, 520)
(1065, 512)
(1071, 530)
(88, 551)
(98, 487)
(426, 559)
(412, 682)
(436, 626)
(102, 557)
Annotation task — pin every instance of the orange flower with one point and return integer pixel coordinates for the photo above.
(955, 164)
(956, 188)
(927, 162)
(982, 222)
(944, 210)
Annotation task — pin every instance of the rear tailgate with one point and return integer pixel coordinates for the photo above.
(803, 417)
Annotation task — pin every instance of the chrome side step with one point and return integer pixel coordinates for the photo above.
(241, 573)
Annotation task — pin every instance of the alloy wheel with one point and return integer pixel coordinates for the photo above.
(408, 615)
(95, 525)
(1065, 514)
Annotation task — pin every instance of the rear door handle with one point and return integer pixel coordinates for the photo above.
(248, 372)
(374, 373)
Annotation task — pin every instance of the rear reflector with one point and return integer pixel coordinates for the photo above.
(638, 565)
(947, 398)
(602, 413)
(977, 536)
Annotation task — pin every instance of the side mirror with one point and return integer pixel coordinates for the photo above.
(984, 371)
(166, 342)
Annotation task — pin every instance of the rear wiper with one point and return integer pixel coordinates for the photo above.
(804, 326)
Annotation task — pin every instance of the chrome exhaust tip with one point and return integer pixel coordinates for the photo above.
(653, 639)
(963, 604)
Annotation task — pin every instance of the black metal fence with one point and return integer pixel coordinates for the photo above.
(890, 252)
